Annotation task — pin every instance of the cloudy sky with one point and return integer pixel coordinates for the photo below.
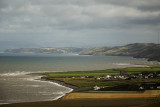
(65, 23)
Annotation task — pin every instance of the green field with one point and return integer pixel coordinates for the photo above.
(85, 80)
(87, 84)
(139, 69)
(102, 72)
(83, 73)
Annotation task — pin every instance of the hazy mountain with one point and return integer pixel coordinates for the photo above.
(138, 50)
(46, 50)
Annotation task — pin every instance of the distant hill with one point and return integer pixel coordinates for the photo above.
(137, 50)
(46, 50)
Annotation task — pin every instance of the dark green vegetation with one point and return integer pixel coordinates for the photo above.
(102, 72)
(83, 73)
(86, 80)
(138, 50)
(85, 103)
(131, 80)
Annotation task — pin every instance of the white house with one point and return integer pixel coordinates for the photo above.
(96, 87)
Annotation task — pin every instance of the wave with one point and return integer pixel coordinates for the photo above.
(27, 85)
(16, 73)
(130, 65)
(58, 97)
(62, 95)
(4, 103)
(23, 76)
(122, 64)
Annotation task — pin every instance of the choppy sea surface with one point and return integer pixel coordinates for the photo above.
(17, 86)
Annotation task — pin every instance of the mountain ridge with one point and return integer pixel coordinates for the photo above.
(150, 51)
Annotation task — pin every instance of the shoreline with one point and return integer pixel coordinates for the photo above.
(62, 83)
(75, 98)
(53, 81)
(57, 82)
(74, 88)
(74, 95)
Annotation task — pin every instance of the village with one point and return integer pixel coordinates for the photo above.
(125, 76)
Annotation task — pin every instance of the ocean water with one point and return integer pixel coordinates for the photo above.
(17, 86)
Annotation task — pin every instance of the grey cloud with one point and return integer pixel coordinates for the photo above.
(146, 21)
(143, 5)
(66, 15)
(76, 21)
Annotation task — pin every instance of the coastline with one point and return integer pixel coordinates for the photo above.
(62, 83)
(58, 82)
(69, 99)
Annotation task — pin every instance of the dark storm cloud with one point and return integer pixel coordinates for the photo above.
(78, 21)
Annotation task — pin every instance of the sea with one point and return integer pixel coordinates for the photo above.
(17, 85)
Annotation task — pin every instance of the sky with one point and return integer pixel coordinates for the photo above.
(78, 23)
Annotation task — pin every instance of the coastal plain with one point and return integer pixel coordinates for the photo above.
(124, 87)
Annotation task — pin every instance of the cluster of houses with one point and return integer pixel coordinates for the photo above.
(125, 76)
(110, 77)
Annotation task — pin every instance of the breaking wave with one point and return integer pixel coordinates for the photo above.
(129, 65)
